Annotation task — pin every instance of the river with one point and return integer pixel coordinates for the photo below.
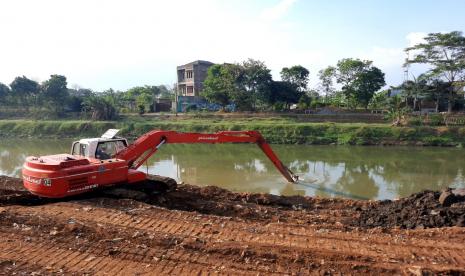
(336, 171)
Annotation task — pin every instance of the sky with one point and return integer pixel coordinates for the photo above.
(121, 44)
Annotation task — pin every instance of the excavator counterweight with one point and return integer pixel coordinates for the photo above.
(109, 161)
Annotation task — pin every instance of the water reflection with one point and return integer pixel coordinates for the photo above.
(13, 152)
(362, 172)
(358, 172)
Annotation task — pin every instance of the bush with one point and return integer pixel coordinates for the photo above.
(435, 119)
(279, 106)
(414, 121)
(191, 108)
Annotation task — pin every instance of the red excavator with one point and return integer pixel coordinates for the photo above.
(109, 161)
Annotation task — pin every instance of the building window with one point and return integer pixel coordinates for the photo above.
(181, 75)
(190, 90)
(189, 74)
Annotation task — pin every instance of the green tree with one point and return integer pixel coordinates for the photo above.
(243, 100)
(219, 85)
(55, 92)
(153, 90)
(380, 100)
(297, 75)
(282, 92)
(326, 77)
(366, 84)
(229, 83)
(415, 89)
(436, 90)
(305, 101)
(445, 53)
(143, 102)
(254, 77)
(166, 92)
(22, 89)
(101, 107)
(76, 97)
(338, 99)
(397, 110)
(359, 80)
(141, 97)
(4, 92)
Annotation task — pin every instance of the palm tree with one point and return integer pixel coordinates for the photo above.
(436, 90)
(102, 107)
(415, 89)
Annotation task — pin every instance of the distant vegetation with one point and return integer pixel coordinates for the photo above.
(349, 85)
(53, 99)
(249, 85)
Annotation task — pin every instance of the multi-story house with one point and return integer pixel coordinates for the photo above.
(191, 77)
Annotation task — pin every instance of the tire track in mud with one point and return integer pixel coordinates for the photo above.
(224, 238)
(57, 257)
(157, 260)
(89, 261)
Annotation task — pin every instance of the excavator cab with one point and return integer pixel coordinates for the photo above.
(103, 148)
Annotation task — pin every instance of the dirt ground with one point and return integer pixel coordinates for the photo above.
(203, 231)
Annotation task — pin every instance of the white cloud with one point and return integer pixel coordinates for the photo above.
(385, 57)
(391, 60)
(393, 57)
(277, 11)
(415, 38)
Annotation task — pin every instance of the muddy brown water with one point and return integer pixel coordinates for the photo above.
(328, 171)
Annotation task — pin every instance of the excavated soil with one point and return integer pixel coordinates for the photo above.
(418, 211)
(209, 230)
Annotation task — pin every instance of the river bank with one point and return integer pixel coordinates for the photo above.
(276, 131)
(205, 230)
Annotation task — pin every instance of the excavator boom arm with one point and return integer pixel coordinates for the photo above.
(145, 146)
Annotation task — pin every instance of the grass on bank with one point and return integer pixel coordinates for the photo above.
(278, 131)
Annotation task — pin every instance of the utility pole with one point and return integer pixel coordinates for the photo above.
(407, 67)
(176, 99)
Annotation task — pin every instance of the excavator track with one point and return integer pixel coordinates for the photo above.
(163, 183)
(153, 185)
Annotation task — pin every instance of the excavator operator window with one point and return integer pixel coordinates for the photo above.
(79, 149)
(108, 150)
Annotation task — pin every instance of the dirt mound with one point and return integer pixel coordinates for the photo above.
(422, 210)
(426, 209)
(209, 230)
(10, 184)
(326, 212)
